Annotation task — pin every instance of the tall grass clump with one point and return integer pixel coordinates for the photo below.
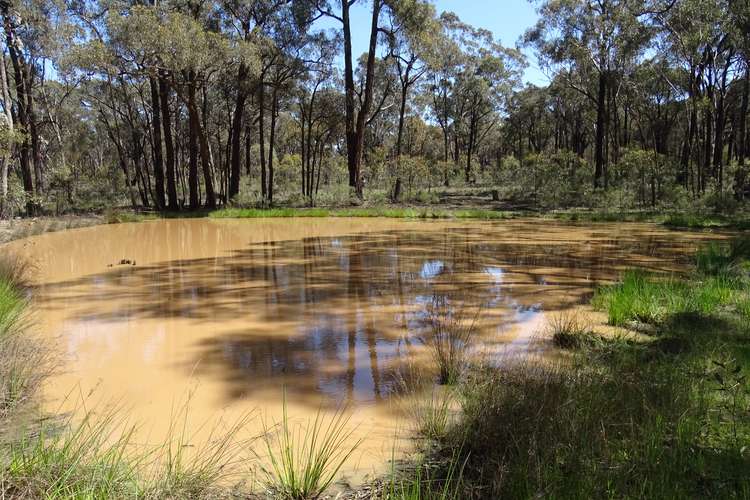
(180, 469)
(450, 334)
(639, 298)
(91, 459)
(23, 362)
(432, 414)
(724, 259)
(568, 331)
(305, 460)
(98, 456)
(426, 482)
(653, 300)
(622, 430)
(12, 305)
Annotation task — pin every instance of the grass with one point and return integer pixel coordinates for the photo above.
(702, 221)
(88, 460)
(396, 213)
(676, 220)
(666, 416)
(425, 482)
(304, 461)
(120, 217)
(98, 457)
(23, 362)
(641, 298)
(450, 335)
(432, 416)
(568, 331)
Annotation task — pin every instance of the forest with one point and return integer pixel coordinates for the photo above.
(369, 250)
(180, 105)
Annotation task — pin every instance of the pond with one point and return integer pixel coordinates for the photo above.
(225, 317)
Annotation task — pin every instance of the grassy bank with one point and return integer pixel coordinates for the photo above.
(677, 220)
(396, 213)
(662, 415)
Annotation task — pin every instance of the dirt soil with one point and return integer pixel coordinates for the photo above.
(17, 228)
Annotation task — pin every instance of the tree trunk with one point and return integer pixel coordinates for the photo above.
(355, 128)
(271, 139)
(15, 50)
(399, 139)
(262, 139)
(600, 137)
(8, 153)
(158, 161)
(193, 124)
(206, 162)
(742, 142)
(239, 110)
(172, 202)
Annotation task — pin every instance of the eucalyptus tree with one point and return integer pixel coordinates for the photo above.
(189, 51)
(589, 41)
(357, 118)
(34, 30)
(318, 109)
(413, 38)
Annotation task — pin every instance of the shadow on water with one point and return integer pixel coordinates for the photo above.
(337, 314)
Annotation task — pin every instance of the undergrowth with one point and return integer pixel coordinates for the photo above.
(667, 416)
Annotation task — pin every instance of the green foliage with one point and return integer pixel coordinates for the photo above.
(550, 180)
(644, 299)
(425, 483)
(304, 461)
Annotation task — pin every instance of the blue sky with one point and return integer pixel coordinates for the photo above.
(507, 19)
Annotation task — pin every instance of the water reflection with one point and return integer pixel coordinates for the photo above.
(319, 307)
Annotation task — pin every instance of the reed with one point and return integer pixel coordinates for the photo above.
(451, 329)
(304, 460)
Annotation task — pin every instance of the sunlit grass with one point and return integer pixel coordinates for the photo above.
(23, 361)
(98, 456)
(306, 459)
(639, 297)
(426, 483)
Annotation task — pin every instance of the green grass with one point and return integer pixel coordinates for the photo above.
(701, 221)
(120, 217)
(98, 457)
(425, 482)
(23, 362)
(396, 213)
(12, 305)
(641, 298)
(305, 460)
(676, 220)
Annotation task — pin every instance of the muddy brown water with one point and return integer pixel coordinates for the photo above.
(228, 315)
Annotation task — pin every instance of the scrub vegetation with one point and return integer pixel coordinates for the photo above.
(662, 415)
